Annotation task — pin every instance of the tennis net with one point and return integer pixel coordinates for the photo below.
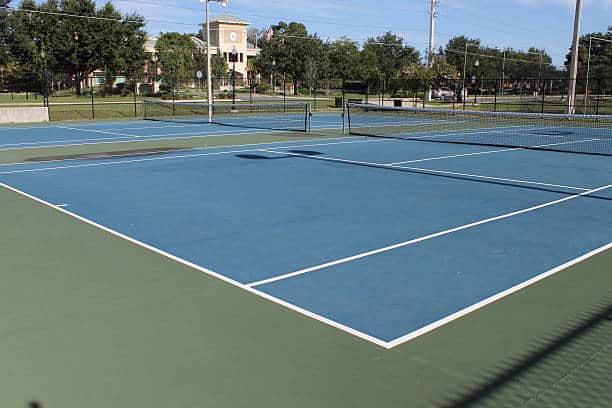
(273, 116)
(565, 133)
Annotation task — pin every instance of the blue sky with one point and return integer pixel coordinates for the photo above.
(519, 24)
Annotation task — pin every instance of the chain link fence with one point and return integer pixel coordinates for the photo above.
(98, 96)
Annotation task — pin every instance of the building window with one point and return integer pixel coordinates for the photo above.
(241, 57)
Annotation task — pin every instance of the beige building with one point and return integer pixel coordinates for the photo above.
(226, 33)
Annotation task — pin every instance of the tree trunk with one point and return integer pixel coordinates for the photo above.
(295, 87)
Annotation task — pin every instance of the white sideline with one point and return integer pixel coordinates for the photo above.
(470, 309)
(384, 344)
(206, 271)
(110, 163)
(421, 239)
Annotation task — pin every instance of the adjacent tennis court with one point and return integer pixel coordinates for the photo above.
(383, 238)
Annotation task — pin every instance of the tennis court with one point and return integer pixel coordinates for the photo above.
(383, 238)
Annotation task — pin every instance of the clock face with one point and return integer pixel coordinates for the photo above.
(233, 37)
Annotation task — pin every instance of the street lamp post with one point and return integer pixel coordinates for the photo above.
(223, 3)
(76, 60)
(476, 64)
(43, 57)
(234, 58)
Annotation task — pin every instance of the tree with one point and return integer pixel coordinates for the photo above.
(291, 51)
(600, 67)
(427, 76)
(387, 54)
(344, 58)
(493, 62)
(121, 50)
(177, 56)
(218, 65)
(4, 48)
(75, 46)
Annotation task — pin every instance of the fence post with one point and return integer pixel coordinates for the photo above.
(495, 100)
(93, 110)
(463, 93)
(543, 96)
(424, 91)
(173, 102)
(135, 103)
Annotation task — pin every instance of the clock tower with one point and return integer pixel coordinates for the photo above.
(227, 32)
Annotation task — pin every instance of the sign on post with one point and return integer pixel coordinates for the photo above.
(199, 75)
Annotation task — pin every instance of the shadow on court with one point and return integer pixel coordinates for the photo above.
(569, 368)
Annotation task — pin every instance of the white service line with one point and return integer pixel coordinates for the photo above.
(470, 309)
(421, 239)
(207, 271)
(424, 170)
(452, 156)
(93, 131)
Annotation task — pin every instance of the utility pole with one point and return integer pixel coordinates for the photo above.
(433, 14)
(571, 95)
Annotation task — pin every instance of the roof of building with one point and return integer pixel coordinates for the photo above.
(199, 43)
(151, 42)
(226, 18)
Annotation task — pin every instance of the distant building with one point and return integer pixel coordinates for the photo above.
(226, 32)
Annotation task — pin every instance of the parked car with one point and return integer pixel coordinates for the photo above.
(443, 94)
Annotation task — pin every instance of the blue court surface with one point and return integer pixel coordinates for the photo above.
(385, 239)
(89, 133)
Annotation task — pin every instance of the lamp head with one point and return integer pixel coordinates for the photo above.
(223, 3)
(477, 63)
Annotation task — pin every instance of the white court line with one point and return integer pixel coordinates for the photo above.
(93, 131)
(195, 135)
(137, 138)
(457, 315)
(452, 156)
(207, 271)
(493, 151)
(219, 147)
(421, 239)
(109, 163)
(423, 170)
